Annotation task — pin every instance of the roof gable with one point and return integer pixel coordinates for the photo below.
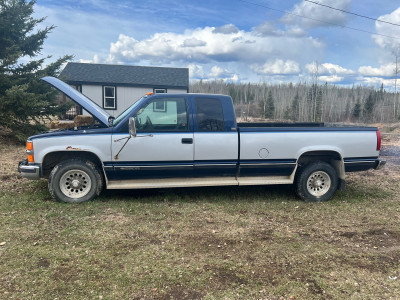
(79, 73)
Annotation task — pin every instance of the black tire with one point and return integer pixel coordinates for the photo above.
(75, 181)
(316, 182)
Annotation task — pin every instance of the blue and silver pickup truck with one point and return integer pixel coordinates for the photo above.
(191, 140)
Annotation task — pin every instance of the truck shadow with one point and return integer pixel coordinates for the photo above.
(276, 193)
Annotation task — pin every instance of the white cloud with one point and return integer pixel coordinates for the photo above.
(196, 71)
(95, 60)
(389, 30)
(277, 67)
(318, 12)
(193, 42)
(328, 69)
(226, 29)
(268, 29)
(203, 45)
(295, 31)
(219, 73)
(330, 78)
(375, 81)
(386, 70)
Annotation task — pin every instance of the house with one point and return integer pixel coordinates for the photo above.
(117, 87)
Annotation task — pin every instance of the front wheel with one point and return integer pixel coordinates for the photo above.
(316, 182)
(75, 181)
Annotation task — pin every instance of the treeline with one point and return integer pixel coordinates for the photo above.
(307, 102)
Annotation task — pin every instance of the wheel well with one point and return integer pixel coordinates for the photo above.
(54, 158)
(326, 156)
(331, 157)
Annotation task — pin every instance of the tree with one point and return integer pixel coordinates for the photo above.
(318, 106)
(295, 109)
(270, 106)
(24, 100)
(311, 101)
(369, 106)
(357, 110)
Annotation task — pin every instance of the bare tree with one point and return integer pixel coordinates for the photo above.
(306, 102)
(396, 70)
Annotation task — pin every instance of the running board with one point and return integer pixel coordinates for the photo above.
(195, 182)
(267, 180)
(170, 183)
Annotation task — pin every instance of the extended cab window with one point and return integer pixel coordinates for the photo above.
(163, 114)
(210, 116)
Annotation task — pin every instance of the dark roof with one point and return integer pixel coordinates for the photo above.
(83, 73)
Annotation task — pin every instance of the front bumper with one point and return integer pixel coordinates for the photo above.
(29, 171)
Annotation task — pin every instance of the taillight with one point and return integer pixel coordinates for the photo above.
(29, 151)
(378, 140)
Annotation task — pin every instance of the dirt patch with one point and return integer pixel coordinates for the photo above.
(374, 263)
(262, 234)
(66, 273)
(11, 154)
(224, 277)
(374, 238)
(43, 263)
(391, 154)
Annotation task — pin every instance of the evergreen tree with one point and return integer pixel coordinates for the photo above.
(369, 106)
(295, 108)
(24, 100)
(357, 110)
(270, 106)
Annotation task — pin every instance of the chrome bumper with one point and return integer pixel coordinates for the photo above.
(380, 164)
(29, 171)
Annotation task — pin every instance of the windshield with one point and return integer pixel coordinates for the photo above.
(128, 111)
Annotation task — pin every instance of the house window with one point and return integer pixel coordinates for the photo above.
(109, 97)
(159, 91)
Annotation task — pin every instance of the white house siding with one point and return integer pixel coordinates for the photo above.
(126, 96)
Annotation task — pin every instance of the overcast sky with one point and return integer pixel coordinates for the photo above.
(233, 40)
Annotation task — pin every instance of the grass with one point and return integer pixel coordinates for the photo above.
(210, 243)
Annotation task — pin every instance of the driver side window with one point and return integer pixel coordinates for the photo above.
(161, 115)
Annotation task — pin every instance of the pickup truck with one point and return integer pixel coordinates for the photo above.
(192, 140)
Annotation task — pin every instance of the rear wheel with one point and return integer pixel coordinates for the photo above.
(317, 181)
(75, 181)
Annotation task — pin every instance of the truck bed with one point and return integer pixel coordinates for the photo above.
(300, 126)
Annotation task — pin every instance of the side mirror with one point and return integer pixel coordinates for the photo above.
(132, 127)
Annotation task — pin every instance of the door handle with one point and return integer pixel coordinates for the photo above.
(187, 141)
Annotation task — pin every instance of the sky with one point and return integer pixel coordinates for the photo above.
(233, 40)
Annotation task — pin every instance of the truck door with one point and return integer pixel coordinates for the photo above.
(163, 147)
(215, 146)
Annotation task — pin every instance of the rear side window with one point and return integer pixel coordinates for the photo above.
(210, 116)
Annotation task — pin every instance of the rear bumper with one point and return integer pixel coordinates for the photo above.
(380, 164)
(29, 171)
(363, 164)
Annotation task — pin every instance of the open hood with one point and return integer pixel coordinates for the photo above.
(96, 111)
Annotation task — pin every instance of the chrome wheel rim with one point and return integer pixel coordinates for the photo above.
(75, 184)
(318, 183)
